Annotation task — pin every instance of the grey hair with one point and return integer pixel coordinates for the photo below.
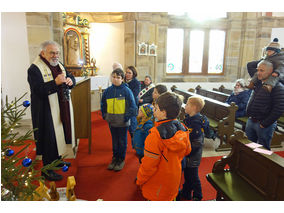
(46, 43)
(148, 76)
(116, 65)
(241, 82)
(267, 63)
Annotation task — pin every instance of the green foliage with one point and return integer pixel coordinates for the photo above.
(17, 182)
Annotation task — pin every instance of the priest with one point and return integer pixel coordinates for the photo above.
(51, 107)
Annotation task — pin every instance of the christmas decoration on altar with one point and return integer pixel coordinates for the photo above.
(90, 69)
(19, 179)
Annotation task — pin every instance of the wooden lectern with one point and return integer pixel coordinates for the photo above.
(81, 99)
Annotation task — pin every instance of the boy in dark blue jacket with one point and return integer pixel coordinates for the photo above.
(198, 126)
(118, 106)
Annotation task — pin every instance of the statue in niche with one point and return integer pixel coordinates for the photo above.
(73, 50)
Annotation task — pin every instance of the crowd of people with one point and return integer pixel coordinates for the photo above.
(166, 147)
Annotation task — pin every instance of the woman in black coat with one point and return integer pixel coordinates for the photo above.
(135, 87)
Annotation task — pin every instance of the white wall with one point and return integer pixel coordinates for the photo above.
(278, 33)
(107, 45)
(14, 57)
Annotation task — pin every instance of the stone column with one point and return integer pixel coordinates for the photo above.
(43, 26)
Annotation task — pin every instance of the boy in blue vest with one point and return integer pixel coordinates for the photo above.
(118, 106)
(198, 125)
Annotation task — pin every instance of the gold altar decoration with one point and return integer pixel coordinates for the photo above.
(76, 43)
(89, 70)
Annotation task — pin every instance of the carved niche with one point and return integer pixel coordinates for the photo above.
(76, 43)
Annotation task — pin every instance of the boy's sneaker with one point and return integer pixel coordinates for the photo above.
(119, 165)
(182, 195)
(196, 199)
(112, 164)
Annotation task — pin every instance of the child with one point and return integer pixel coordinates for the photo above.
(158, 90)
(198, 124)
(118, 106)
(159, 174)
(276, 57)
(145, 123)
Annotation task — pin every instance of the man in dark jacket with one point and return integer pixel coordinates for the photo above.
(51, 106)
(264, 108)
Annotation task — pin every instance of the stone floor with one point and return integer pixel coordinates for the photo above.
(208, 149)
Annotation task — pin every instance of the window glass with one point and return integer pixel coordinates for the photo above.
(216, 51)
(174, 50)
(196, 51)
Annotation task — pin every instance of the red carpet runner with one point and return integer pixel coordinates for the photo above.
(94, 181)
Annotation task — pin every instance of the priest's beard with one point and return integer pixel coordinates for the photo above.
(54, 62)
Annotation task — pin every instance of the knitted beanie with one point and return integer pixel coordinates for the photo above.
(241, 82)
(274, 45)
(147, 110)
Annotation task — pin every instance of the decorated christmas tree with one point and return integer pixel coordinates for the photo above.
(19, 178)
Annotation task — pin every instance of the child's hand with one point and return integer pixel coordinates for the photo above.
(274, 74)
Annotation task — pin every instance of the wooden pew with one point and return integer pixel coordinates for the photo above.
(221, 116)
(251, 175)
(216, 95)
(278, 136)
(223, 90)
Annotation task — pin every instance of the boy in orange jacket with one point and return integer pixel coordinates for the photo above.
(159, 174)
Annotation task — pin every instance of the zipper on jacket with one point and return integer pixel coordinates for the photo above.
(158, 191)
(114, 99)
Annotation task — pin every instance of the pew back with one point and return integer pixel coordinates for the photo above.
(223, 90)
(221, 116)
(252, 175)
(216, 95)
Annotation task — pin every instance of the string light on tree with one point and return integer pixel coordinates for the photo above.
(17, 181)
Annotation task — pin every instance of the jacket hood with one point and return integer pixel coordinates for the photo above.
(173, 134)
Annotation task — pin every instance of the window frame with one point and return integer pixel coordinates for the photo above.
(205, 59)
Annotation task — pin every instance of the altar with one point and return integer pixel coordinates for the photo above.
(97, 81)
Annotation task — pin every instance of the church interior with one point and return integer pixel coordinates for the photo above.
(180, 51)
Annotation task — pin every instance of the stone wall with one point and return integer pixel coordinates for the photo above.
(247, 34)
(42, 26)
